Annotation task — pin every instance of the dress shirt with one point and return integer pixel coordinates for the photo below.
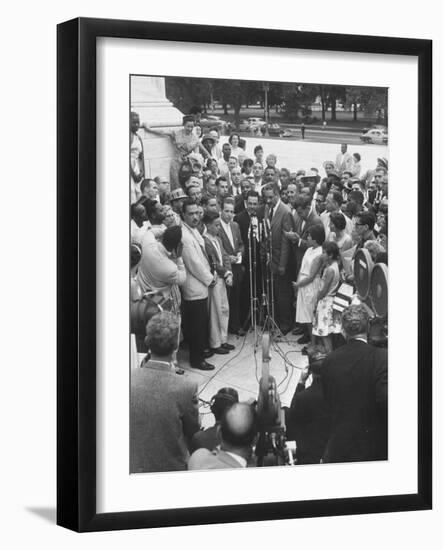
(238, 458)
(228, 231)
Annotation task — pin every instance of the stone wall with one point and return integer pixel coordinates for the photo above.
(148, 99)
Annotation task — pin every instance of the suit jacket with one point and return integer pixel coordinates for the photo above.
(239, 204)
(198, 273)
(300, 248)
(355, 382)
(163, 419)
(206, 439)
(281, 221)
(203, 459)
(221, 268)
(308, 422)
(237, 238)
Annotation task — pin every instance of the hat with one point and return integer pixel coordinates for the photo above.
(383, 161)
(177, 194)
(328, 162)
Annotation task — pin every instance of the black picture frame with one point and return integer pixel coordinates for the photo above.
(76, 277)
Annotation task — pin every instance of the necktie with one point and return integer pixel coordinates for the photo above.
(271, 213)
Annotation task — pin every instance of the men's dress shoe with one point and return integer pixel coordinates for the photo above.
(220, 351)
(298, 331)
(227, 346)
(203, 366)
(304, 340)
(208, 353)
(179, 371)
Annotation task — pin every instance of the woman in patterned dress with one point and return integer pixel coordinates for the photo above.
(326, 320)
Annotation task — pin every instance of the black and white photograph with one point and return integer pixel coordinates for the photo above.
(258, 273)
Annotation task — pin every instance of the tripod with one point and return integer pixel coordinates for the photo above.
(261, 309)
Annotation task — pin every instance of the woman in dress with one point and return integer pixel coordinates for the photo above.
(308, 280)
(327, 320)
(186, 143)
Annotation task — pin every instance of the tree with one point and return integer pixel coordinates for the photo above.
(186, 92)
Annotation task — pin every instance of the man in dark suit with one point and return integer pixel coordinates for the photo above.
(306, 218)
(278, 221)
(248, 220)
(231, 239)
(355, 382)
(164, 406)
(240, 200)
(237, 431)
(308, 419)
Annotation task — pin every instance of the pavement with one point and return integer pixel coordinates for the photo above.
(241, 369)
(296, 154)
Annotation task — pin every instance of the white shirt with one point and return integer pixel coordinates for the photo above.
(228, 231)
(238, 458)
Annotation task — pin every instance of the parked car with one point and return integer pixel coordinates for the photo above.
(256, 121)
(213, 121)
(273, 129)
(290, 132)
(243, 126)
(375, 136)
(375, 127)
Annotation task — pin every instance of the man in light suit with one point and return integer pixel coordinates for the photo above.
(231, 239)
(164, 406)
(195, 288)
(237, 431)
(278, 220)
(344, 160)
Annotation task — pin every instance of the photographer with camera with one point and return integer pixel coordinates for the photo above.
(237, 432)
(220, 403)
(307, 419)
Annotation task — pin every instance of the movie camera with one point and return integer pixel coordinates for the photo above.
(371, 282)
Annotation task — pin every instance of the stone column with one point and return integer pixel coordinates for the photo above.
(148, 99)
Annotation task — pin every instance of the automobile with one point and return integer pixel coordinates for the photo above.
(375, 127)
(290, 132)
(273, 129)
(256, 121)
(375, 136)
(243, 126)
(214, 121)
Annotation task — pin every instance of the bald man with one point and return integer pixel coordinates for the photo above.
(237, 431)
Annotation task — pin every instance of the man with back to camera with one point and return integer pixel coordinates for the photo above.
(164, 406)
(355, 383)
(220, 403)
(308, 419)
(238, 430)
(195, 288)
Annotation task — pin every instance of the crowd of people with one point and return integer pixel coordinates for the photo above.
(201, 235)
